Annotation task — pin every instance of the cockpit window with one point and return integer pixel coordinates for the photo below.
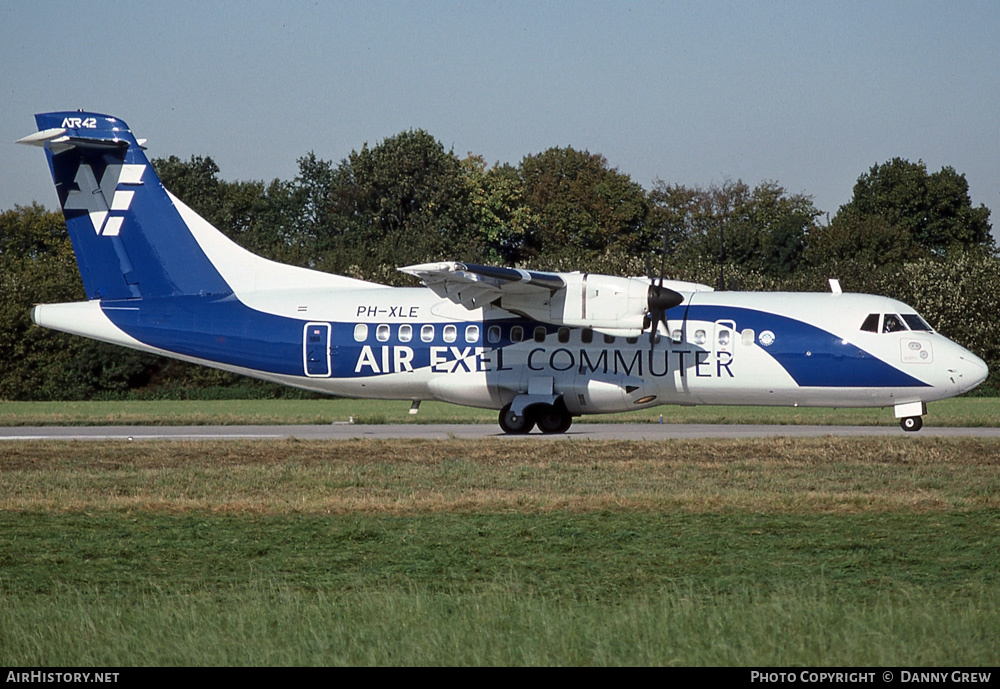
(916, 322)
(892, 323)
(871, 323)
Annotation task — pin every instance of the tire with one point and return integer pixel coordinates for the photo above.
(553, 419)
(911, 424)
(512, 424)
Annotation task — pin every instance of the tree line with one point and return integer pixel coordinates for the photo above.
(907, 233)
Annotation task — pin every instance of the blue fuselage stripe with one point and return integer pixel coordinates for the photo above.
(224, 330)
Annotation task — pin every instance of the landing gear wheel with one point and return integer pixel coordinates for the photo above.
(553, 419)
(911, 423)
(513, 424)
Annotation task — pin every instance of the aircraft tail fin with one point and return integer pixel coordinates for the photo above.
(131, 237)
(128, 236)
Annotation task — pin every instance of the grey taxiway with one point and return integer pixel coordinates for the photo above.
(583, 431)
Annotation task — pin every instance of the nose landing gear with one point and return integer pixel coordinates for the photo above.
(910, 415)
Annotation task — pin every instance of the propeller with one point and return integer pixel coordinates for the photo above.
(660, 299)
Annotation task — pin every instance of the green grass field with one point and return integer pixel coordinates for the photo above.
(875, 552)
(967, 411)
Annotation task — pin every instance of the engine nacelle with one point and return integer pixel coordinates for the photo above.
(605, 303)
(597, 394)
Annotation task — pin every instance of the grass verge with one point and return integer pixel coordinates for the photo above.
(847, 552)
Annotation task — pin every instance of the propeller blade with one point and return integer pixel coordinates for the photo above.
(660, 299)
(663, 257)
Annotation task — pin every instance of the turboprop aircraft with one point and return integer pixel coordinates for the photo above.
(540, 347)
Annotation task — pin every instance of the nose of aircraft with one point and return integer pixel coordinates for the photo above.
(969, 370)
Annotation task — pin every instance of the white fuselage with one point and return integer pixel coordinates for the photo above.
(805, 349)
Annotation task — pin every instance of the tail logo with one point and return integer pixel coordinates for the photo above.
(92, 196)
(78, 122)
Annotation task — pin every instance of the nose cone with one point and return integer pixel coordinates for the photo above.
(970, 370)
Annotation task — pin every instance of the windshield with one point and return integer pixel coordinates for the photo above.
(916, 322)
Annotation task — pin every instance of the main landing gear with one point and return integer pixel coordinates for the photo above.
(550, 418)
(911, 423)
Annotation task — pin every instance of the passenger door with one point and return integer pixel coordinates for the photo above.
(316, 350)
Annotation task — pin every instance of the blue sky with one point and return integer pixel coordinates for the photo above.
(808, 94)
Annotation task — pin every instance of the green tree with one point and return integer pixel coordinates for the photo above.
(500, 214)
(860, 242)
(402, 201)
(580, 208)
(933, 209)
(763, 229)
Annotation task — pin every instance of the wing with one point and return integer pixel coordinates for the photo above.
(608, 304)
(475, 286)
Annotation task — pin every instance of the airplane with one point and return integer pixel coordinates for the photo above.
(541, 348)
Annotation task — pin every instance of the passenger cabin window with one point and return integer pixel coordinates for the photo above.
(631, 340)
(360, 332)
(472, 333)
(677, 336)
(724, 336)
(871, 323)
(699, 337)
(609, 339)
(916, 322)
(493, 334)
(405, 332)
(516, 333)
(892, 324)
(450, 333)
(586, 336)
(748, 336)
(382, 332)
(427, 333)
(564, 334)
(540, 334)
